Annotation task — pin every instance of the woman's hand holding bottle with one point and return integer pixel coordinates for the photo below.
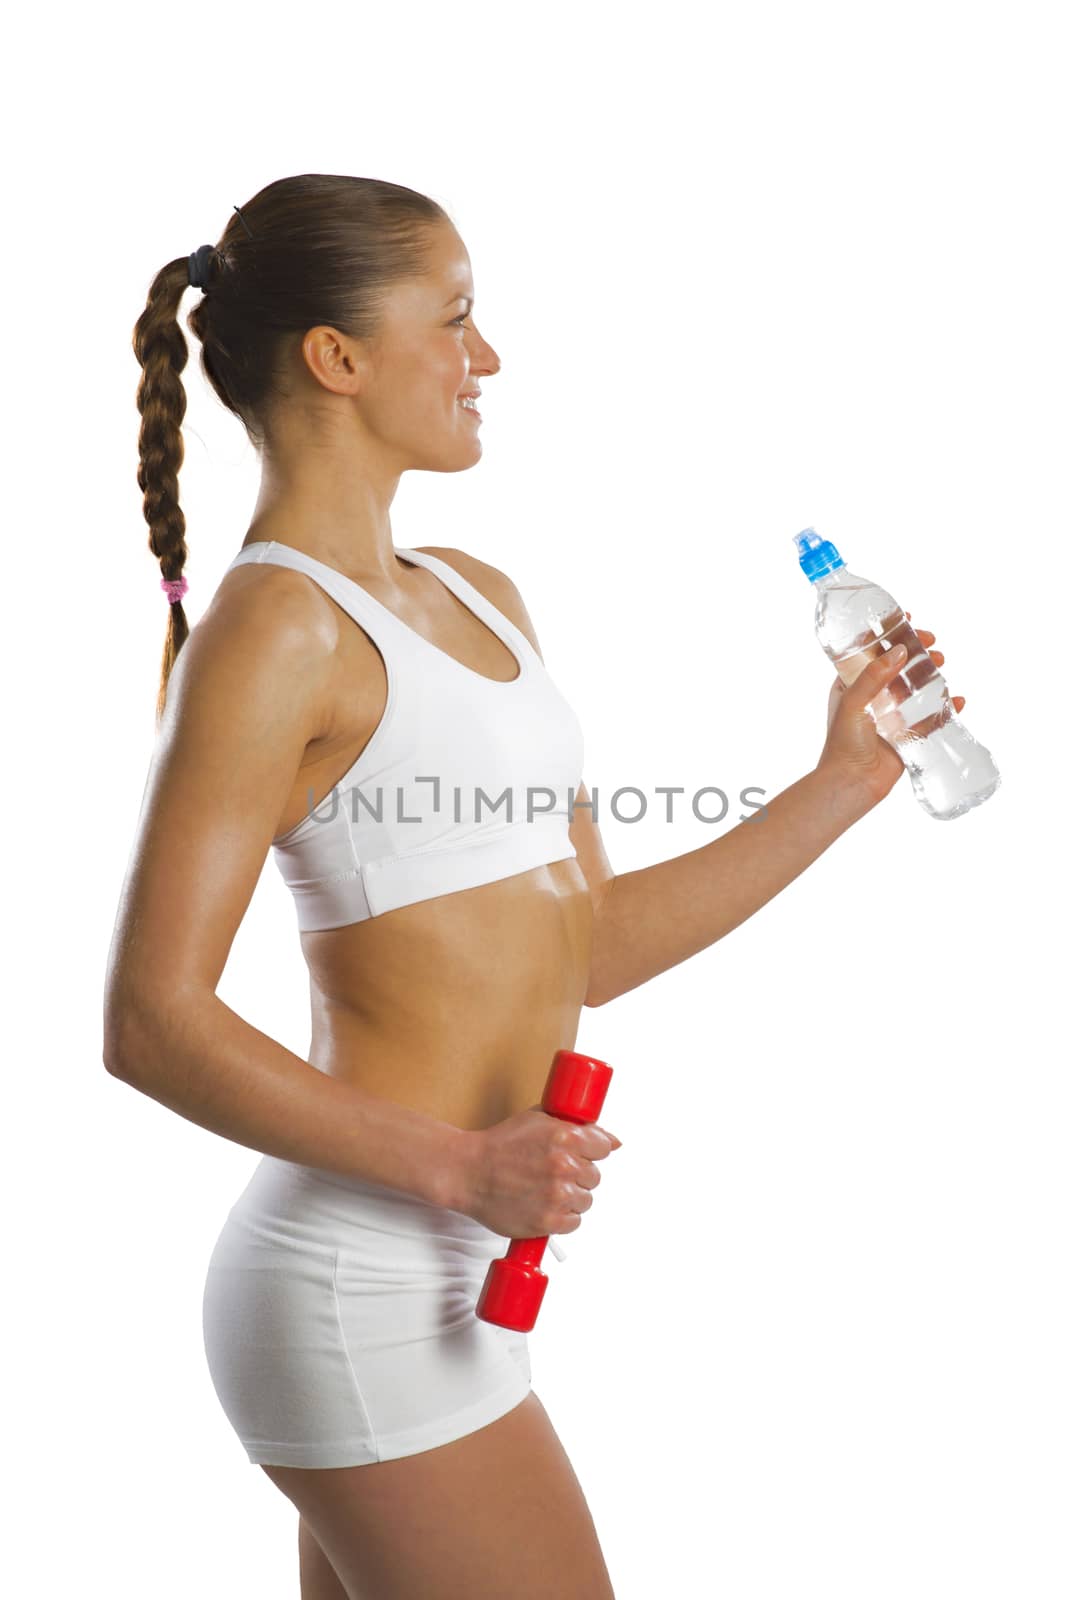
(853, 752)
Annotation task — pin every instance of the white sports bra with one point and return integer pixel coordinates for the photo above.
(466, 779)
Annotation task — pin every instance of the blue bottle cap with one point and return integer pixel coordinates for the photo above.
(817, 556)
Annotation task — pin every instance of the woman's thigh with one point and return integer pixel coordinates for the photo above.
(318, 1580)
(496, 1512)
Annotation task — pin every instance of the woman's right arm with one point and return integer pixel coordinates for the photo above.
(247, 695)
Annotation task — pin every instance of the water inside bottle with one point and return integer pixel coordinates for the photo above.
(951, 771)
(916, 701)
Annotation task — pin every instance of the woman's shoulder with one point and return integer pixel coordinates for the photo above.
(269, 597)
(467, 565)
(492, 584)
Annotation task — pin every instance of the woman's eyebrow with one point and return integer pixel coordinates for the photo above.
(456, 297)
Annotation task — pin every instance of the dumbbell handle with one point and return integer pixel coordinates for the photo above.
(515, 1285)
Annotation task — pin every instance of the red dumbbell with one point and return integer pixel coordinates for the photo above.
(515, 1285)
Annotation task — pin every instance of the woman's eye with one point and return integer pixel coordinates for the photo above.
(459, 321)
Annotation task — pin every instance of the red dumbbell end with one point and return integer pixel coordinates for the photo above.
(515, 1287)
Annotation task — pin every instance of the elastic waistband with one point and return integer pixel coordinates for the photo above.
(296, 1198)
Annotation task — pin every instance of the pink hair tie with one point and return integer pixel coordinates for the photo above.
(174, 588)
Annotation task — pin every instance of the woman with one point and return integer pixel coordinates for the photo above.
(345, 702)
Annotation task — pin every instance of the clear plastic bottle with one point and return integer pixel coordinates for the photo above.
(855, 622)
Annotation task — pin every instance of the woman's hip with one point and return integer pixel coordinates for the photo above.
(339, 1319)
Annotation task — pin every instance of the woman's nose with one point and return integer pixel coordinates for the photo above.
(484, 357)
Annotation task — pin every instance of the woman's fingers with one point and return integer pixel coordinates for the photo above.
(927, 638)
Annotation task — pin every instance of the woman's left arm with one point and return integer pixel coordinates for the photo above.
(650, 919)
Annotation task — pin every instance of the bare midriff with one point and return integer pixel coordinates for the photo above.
(453, 1005)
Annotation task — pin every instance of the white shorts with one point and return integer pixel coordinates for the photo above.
(339, 1322)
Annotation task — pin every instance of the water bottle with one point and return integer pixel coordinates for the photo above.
(855, 622)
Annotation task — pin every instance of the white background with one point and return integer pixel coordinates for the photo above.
(747, 269)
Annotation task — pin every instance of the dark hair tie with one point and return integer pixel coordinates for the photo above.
(199, 263)
(200, 260)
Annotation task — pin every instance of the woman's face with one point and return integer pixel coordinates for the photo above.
(428, 353)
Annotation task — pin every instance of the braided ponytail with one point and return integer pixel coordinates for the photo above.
(318, 249)
(161, 349)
